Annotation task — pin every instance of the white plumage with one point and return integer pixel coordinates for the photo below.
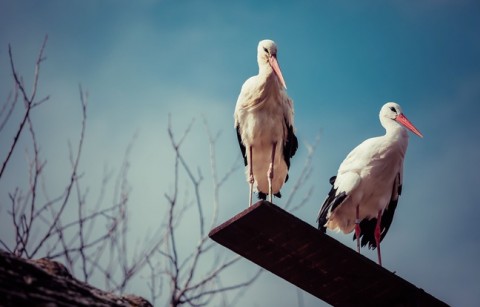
(365, 192)
(264, 123)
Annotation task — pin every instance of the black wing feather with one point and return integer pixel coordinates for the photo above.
(331, 202)
(290, 147)
(242, 147)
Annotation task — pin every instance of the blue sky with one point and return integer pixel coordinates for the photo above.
(342, 60)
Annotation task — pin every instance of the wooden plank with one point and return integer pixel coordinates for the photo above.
(299, 253)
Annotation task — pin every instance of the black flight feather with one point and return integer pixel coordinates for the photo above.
(291, 145)
(330, 203)
(242, 147)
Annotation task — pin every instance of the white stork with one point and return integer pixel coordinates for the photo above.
(264, 123)
(365, 192)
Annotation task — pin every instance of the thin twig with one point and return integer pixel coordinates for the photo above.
(10, 110)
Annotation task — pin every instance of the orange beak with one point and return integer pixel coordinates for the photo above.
(274, 63)
(404, 121)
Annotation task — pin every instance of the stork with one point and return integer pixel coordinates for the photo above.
(264, 124)
(365, 192)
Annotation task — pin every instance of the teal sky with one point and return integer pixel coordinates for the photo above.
(342, 60)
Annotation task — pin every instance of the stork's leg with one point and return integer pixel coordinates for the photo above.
(377, 234)
(357, 227)
(270, 172)
(250, 178)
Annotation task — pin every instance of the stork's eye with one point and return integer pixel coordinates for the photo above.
(265, 49)
(393, 109)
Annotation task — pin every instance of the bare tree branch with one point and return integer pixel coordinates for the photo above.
(28, 100)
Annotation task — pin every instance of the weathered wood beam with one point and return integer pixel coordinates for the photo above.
(299, 253)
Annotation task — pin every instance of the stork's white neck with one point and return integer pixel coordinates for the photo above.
(395, 133)
(263, 66)
(267, 75)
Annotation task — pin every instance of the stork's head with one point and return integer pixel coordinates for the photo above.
(267, 55)
(392, 111)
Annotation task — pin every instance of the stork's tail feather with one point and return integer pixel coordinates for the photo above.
(263, 196)
(367, 236)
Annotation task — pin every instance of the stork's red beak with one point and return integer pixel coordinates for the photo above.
(274, 63)
(402, 119)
